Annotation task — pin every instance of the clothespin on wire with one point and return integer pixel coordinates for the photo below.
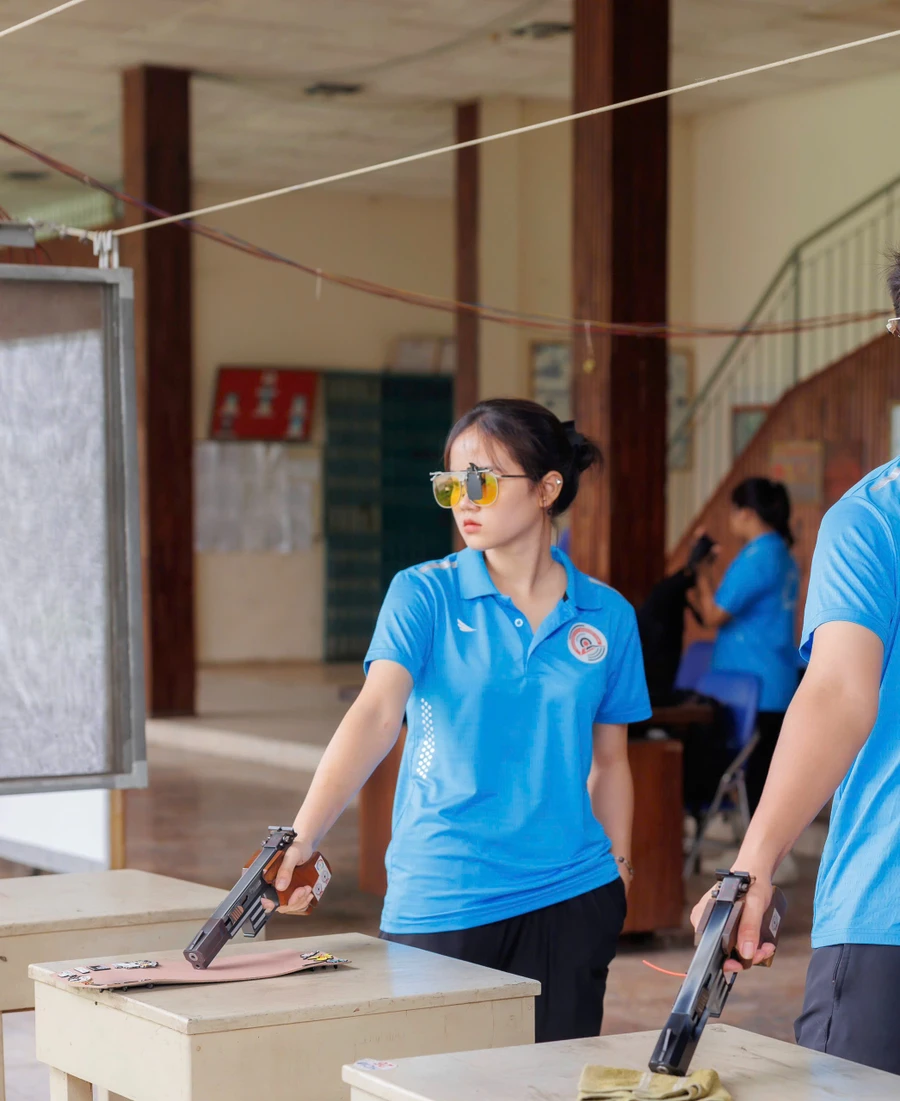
(106, 248)
(589, 362)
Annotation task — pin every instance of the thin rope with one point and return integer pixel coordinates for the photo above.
(413, 157)
(543, 323)
(39, 18)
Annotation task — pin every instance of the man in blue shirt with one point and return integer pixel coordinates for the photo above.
(841, 736)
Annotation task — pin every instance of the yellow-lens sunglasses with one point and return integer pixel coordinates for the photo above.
(481, 485)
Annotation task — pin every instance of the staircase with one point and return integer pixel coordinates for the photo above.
(839, 269)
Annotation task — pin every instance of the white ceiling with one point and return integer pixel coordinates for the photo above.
(255, 127)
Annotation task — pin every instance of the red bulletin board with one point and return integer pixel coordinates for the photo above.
(263, 403)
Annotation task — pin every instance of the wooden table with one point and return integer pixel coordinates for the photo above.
(682, 714)
(656, 898)
(125, 912)
(752, 1068)
(275, 1039)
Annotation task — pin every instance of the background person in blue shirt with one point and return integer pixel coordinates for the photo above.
(754, 608)
(518, 675)
(841, 737)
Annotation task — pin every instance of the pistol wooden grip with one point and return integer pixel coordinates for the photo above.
(309, 874)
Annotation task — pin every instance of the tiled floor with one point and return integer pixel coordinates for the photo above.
(202, 815)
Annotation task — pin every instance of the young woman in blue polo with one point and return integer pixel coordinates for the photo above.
(518, 676)
(754, 610)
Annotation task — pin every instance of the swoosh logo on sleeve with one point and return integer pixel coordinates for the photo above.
(464, 627)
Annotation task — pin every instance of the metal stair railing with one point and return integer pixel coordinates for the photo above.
(838, 269)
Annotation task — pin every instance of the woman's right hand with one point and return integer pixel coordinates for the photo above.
(756, 903)
(299, 902)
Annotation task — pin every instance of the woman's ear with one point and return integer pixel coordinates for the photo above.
(551, 487)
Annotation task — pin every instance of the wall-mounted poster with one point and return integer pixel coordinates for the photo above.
(680, 395)
(800, 465)
(263, 403)
(746, 420)
(551, 377)
(843, 468)
(423, 355)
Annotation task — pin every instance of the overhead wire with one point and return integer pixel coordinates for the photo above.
(518, 131)
(496, 314)
(39, 18)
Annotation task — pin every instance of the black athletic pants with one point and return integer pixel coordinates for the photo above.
(567, 948)
(852, 1005)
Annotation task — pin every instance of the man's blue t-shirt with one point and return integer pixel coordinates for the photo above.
(492, 816)
(854, 579)
(759, 592)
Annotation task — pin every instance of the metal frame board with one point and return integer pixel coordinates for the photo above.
(125, 626)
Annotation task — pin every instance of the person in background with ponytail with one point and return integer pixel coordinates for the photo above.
(519, 675)
(754, 608)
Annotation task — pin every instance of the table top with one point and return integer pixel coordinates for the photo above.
(91, 900)
(382, 977)
(683, 714)
(752, 1068)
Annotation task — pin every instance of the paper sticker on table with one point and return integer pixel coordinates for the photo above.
(374, 1064)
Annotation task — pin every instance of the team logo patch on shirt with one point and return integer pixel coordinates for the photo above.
(587, 643)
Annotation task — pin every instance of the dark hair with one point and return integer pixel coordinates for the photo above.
(536, 438)
(893, 280)
(770, 501)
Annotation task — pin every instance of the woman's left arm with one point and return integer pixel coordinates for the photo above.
(711, 613)
(611, 790)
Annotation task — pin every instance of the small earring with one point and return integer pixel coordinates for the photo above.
(559, 481)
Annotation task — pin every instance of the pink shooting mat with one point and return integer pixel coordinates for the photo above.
(259, 965)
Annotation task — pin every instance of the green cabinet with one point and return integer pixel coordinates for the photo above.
(384, 435)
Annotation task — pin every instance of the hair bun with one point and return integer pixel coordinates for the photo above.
(584, 452)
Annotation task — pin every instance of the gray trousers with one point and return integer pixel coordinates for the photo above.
(852, 1005)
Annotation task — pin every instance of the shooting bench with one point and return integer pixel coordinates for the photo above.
(124, 912)
(277, 1039)
(752, 1068)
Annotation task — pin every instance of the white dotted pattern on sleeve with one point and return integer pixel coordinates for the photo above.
(426, 751)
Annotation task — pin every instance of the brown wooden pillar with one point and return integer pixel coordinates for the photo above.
(157, 152)
(620, 211)
(467, 198)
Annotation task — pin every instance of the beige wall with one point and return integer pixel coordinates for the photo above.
(681, 220)
(249, 312)
(525, 215)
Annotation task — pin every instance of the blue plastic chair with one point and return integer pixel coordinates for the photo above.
(738, 693)
(695, 661)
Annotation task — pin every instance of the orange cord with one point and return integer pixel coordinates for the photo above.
(663, 971)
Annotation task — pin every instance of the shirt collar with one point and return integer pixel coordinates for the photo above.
(475, 581)
(582, 590)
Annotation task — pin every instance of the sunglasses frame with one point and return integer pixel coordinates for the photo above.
(464, 476)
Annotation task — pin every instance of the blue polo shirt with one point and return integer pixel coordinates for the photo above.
(492, 816)
(854, 579)
(759, 592)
